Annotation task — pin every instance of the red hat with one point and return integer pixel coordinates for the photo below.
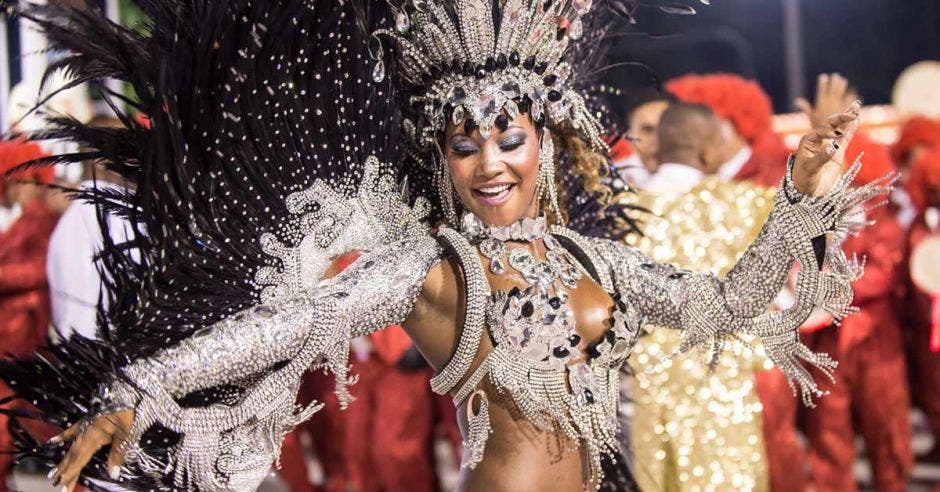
(917, 131)
(876, 161)
(621, 150)
(16, 152)
(925, 173)
(742, 102)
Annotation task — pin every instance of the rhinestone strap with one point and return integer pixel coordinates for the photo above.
(471, 383)
(586, 255)
(478, 290)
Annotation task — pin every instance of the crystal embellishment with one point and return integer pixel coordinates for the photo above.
(378, 73)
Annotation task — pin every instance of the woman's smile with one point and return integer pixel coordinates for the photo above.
(494, 194)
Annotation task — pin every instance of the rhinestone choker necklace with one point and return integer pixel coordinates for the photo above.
(526, 229)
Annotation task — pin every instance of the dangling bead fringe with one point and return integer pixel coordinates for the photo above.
(546, 189)
(445, 189)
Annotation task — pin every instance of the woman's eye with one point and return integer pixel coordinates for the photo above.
(463, 150)
(512, 144)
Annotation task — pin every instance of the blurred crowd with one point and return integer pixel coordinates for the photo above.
(702, 157)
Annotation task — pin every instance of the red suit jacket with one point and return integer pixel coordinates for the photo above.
(882, 244)
(24, 298)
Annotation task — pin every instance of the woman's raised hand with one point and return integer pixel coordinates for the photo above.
(821, 156)
(85, 440)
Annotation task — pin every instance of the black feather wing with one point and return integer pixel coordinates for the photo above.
(247, 102)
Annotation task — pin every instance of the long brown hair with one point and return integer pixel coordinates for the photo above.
(587, 163)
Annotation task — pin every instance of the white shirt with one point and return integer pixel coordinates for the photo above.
(673, 177)
(74, 281)
(8, 215)
(730, 169)
(632, 171)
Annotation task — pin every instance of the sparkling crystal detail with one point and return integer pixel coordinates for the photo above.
(536, 111)
(576, 29)
(378, 73)
(457, 95)
(512, 109)
(402, 22)
(551, 242)
(497, 267)
(458, 115)
(582, 6)
(511, 89)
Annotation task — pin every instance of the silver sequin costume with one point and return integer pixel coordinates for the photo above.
(266, 349)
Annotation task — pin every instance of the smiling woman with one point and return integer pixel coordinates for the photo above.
(496, 178)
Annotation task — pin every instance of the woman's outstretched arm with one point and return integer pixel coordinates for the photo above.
(817, 209)
(274, 343)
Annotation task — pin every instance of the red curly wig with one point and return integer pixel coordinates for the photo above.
(876, 161)
(742, 102)
(925, 174)
(917, 131)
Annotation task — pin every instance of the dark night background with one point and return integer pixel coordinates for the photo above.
(869, 41)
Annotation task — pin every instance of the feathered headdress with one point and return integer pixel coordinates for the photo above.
(478, 58)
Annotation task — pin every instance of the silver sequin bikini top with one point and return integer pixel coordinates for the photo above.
(537, 361)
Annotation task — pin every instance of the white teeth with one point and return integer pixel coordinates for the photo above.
(494, 190)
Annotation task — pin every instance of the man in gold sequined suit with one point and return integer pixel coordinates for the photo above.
(694, 428)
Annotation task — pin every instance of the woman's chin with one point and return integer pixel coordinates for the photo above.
(499, 216)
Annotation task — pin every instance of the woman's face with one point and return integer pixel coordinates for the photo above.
(495, 177)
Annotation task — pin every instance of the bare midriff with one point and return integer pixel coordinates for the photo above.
(520, 457)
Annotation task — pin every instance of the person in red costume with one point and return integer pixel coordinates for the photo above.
(871, 383)
(753, 151)
(384, 442)
(24, 238)
(924, 188)
(918, 134)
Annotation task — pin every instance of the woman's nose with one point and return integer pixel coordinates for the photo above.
(491, 164)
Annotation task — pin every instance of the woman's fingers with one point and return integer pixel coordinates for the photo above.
(116, 454)
(82, 451)
(84, 447)
(122, 423)
(68, 434)
(822, 133)
(841, 120)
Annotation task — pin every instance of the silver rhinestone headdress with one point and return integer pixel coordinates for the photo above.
(481, 59)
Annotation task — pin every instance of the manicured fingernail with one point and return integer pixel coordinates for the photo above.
(114, 472)
(838, 133)
(52, 472)
(55, 440)
(836, 146)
